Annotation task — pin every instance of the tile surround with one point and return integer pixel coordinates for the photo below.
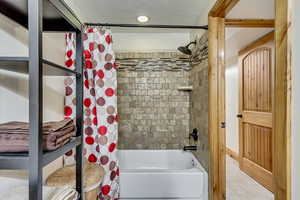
(199, 101)
(153, 113)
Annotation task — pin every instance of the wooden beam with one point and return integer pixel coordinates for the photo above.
(213, 110)
(221, 108)
(222, 8)
(282, 104)
(250, 23)
(216, 118)
(263, 40)
(216, 73)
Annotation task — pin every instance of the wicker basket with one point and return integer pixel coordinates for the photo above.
(93, 174)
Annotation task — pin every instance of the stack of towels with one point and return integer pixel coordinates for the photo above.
(14, 136)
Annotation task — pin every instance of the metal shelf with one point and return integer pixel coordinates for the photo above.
(57, 16)
(43, 15)
(12, 162)
(20, 65)
(20, 160)
(52, 155)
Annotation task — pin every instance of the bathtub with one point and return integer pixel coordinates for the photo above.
(161, 174)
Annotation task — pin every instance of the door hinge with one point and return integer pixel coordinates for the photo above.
(223, 125)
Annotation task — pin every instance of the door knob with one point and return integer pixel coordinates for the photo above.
(239, 116)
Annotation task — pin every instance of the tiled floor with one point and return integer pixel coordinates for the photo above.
(241, 187)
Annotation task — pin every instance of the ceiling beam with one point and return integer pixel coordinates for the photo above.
(250, 23)
(222, 8)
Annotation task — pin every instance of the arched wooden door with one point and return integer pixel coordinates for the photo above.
(255, 117)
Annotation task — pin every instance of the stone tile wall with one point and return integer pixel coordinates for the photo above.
(199, 102)
(153, 113)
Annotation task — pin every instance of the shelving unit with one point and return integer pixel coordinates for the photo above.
(54, 16)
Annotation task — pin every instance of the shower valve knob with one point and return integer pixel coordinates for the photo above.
(194, 134)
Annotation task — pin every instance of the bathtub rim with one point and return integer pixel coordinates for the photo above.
(198, 165)
(197, 169)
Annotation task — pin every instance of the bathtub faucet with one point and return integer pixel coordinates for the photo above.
(190, 148)
(194, 134)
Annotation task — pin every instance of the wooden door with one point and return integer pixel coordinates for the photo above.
(255, 117)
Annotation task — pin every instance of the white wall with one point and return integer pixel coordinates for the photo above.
(14, 86)
(295, 101)
(149, 42)
(232, 104)
(203, 20)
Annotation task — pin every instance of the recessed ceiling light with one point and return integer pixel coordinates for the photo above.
(142, 19)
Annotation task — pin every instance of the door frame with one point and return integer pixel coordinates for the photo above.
(282, 99)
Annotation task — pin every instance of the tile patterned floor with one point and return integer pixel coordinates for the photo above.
(241, 187)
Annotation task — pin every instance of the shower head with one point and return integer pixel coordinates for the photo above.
(185, 49)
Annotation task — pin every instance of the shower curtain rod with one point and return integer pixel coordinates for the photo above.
(148, 26)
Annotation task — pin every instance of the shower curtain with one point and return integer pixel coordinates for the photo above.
(100, 104)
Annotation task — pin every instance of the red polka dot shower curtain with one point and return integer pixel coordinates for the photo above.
(100, 104)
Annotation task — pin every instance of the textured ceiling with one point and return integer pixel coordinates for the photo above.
(263, 9)
(178, 12)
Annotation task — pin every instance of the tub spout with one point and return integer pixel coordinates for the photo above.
(190, 148)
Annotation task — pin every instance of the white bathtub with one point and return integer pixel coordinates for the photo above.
(161, 174)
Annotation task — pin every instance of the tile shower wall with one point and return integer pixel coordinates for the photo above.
(199, 100)
(153, 113)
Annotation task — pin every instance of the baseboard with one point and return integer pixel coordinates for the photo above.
(233, 154)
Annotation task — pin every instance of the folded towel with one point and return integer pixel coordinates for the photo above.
(64, 193)
(16, 189)
(14, 146)
(23, 127)
(14, 136)
(19, 143)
